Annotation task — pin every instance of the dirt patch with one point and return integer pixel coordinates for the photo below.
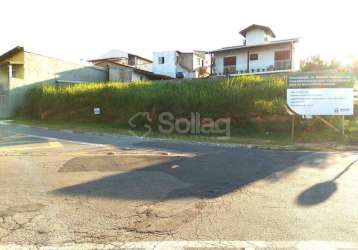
(114, 163)
(164, 217)
(26, 208)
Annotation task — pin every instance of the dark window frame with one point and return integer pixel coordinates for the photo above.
(282, 55)
(161, 60)
(227, 60)
(254, 57)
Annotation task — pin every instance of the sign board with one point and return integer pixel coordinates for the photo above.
(320, 94)
(97, 111)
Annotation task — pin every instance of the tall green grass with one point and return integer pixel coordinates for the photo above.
(238, 98)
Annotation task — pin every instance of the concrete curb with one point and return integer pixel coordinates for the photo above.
(293, 147)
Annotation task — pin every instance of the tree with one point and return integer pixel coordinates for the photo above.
(315, 63)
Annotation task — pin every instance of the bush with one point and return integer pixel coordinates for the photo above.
(232, 97)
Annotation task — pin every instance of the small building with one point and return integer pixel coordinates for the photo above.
(178, 64)
(21, 70)
(259, 54)
(126, 67)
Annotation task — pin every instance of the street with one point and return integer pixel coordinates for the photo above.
(87, 191)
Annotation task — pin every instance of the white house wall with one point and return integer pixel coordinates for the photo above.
(255, 36)
(241, 61)
(139, 77)
(169, 66)
(266, 58)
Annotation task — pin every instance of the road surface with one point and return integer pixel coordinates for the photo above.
(62, 190)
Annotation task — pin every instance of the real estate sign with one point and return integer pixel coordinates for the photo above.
(320, 94)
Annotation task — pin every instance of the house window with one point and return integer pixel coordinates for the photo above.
(282, 55)
(13, 72)
(161, 60)
(229, 61)
(283, 60)
(230, 65)
(254, 57)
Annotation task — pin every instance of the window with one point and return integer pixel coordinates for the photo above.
(161, 60)
(230, 65)
(230, 61)
(254, 57)
(282, 55)
(13, 72)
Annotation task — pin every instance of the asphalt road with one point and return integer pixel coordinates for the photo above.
(82, 190)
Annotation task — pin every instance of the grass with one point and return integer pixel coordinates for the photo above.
(238, 136)
(255, 105)
(234, 97)
(95, 127)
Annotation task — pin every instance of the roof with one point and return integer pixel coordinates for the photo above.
(141, 71)
(115, 53)
(291, 40)
(11, 53)
(256, 26)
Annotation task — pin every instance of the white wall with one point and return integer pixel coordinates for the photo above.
(147, 66)
(139, 77)
(266, 58)
(241, 61)
(169, 66)
(256, 36)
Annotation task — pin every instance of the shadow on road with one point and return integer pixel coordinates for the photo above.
(212, 173)
(321, 192)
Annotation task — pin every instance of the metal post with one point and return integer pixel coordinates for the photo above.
(293, 129)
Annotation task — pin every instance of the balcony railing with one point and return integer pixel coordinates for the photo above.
(230, 69)
(282, 64)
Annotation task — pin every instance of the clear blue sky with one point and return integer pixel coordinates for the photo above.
(84, 29)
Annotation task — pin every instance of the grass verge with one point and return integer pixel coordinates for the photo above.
(238, 135)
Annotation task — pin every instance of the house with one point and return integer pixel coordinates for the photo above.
(260, 53)
(20, 70)
(178, 64)
(126, 67)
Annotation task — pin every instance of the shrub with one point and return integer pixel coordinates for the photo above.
(231, 97)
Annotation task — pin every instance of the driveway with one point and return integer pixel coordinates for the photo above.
(61, 189)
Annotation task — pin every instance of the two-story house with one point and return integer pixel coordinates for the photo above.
(178, 64)
(258, 54)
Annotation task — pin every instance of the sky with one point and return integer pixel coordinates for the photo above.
(78, 30)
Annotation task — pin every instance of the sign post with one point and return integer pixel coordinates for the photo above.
(311, 94)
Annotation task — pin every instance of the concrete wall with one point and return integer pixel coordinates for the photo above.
(147, 66)
(38, 69)
(266, 58)
(139, 77)
(119, 73)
